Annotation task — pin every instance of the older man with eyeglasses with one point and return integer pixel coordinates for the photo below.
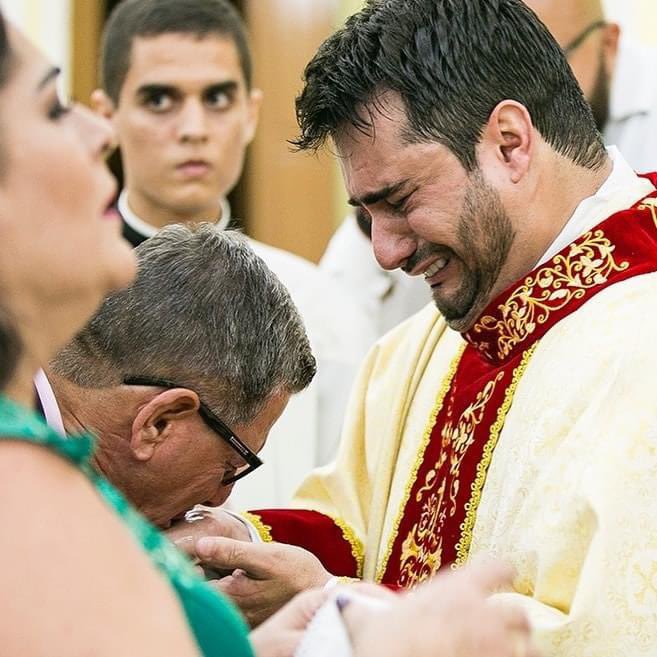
(618, 78)
(182, 375)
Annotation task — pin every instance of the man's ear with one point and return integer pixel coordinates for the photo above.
(255, 103)
(159, 419)
(102, 104)
(610, 42)
(507, 142)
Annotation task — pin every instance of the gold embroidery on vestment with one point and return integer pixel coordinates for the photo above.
(421, 554)
(442, 393)
(471, 507)
(650, 204)
(587, 264)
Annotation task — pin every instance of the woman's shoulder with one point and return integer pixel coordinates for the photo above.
(18, 422)
(41, 489)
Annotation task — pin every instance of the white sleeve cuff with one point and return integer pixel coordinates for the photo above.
(253, 532)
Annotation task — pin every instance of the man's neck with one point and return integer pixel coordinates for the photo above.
(563, 188)
(75, 406)
(71, 406)
(158, 216)
(557, 194)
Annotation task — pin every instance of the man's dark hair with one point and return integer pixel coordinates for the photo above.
(451, 62)
(150, 18)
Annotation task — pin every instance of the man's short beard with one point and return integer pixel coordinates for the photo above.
(600, 96)
(485, 234)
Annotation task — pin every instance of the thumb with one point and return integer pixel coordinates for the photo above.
(227, 554)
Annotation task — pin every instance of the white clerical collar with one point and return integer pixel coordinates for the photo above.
(49, 403)
(147, 230)
(622, 189)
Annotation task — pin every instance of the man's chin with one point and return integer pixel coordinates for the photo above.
(459, 319)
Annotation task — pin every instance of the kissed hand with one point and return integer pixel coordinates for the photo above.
(212, 522)
(265, 576)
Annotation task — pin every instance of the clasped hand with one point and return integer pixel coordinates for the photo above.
(259, 577)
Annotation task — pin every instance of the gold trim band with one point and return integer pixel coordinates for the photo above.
(444, 389)
(467, 527)
(264, 531)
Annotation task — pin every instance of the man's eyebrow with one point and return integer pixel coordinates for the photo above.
(152, 88)
(51, 75)
(379, 195)
(227, 86)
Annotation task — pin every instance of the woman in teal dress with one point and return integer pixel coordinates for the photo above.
(82, 573)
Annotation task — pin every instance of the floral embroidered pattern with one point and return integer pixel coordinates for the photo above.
(588, 264)
(421, 553)
(463, 546)
(426, 438)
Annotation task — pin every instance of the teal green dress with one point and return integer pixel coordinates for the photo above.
(218, 627)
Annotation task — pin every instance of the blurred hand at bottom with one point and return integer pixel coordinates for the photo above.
(280, 635)
(449, 617)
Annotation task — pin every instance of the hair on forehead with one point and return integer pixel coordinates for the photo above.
(150, 18)
(451, 62)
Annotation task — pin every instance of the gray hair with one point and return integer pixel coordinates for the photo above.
(205, 312)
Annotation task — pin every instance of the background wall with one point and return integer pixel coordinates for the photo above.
(638, 18)
(47, 23)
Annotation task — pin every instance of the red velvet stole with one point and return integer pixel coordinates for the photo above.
(434, 525)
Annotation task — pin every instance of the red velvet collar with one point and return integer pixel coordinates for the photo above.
(622, 246)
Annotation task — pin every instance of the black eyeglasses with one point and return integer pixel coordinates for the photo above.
(250, 458)
(583, 36)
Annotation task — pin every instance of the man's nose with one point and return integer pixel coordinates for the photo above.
(392, 243)
(193, 125)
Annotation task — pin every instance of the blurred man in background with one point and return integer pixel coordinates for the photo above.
(618, 78)
(177, 85)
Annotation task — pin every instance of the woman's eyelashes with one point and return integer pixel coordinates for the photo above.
(58, 109)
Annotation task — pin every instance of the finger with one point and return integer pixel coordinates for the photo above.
(187, 544)
(514, 619)
(488, 575)
(372, 590)
(239, 587)
(308, 603)
(521, 646)
(224, 554)
(247, 595)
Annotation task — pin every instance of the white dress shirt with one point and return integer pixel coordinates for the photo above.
(49, 403)
(622, 183)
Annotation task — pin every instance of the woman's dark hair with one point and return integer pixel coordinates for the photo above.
(10, 348)
(9, 341)
(5, 52)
